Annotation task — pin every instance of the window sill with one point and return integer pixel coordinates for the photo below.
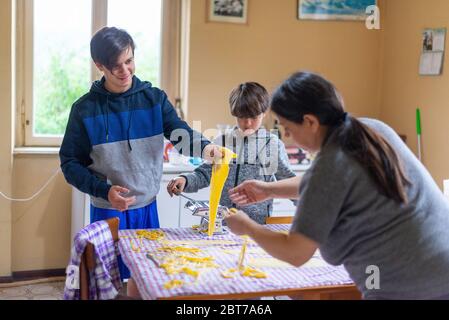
(36, 150)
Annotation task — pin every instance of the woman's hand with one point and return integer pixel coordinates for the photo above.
(250, 191)
(117, 200)
(176, 186)
(239, 222)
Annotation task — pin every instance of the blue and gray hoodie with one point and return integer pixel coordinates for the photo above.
(118, 139)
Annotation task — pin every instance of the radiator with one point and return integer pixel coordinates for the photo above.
(80, 211)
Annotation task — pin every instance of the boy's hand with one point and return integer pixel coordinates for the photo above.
(119, 202)
(176, 186)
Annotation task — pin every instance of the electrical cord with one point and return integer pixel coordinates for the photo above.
(36, 194)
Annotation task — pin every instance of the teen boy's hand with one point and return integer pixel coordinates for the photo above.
(119, 202)
(176, 186)
(212, 153)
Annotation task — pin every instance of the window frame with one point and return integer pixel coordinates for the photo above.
(170, 72)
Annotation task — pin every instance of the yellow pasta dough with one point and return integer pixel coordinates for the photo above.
(245, 272)
(179, 249)
(173, 284)
(242, 253)
(254, 273)
(150, 234)
(220, 173)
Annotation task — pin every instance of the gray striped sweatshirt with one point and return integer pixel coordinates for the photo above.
(260, 156)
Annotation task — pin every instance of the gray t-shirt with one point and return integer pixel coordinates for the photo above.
(342, 210)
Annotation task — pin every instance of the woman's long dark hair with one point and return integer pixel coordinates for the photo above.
(307, 93)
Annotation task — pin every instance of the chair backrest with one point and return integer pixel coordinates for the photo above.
(279, 220)
(87, 264)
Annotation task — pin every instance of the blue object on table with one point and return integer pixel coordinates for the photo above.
(195, 161)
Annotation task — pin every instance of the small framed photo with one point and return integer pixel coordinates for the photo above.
(233, 11)
(432, 55)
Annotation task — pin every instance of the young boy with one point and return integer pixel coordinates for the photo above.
(260, 154)
(113, 144)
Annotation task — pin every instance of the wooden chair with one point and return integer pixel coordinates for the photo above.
(279, 220)
(87, 264)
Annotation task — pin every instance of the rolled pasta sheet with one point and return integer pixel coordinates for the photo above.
(220, 173)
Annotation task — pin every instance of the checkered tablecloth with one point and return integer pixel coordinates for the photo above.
(150, 278)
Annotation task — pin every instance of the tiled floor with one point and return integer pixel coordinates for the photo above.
(51, 290)
(30, 290)
(42, 289)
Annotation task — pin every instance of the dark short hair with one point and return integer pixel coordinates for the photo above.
(248, 100)
(108, 43)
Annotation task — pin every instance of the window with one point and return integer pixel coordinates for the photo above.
(60, 62)
(144, 25)
(54, 67)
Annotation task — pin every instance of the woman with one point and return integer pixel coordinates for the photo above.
(366, 202)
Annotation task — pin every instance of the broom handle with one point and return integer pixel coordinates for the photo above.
(418, 131)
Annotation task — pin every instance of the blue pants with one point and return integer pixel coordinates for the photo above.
(141, 218)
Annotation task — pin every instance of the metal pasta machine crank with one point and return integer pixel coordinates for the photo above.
(201, 209)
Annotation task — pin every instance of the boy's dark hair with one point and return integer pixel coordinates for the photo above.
(248, 100)
(108, 43)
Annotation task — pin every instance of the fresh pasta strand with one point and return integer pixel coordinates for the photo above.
(220, 173)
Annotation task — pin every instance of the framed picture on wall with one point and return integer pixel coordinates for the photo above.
(334, 9)
(234, 11)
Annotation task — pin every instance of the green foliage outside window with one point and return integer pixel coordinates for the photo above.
(57, 86)
(64, 80)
